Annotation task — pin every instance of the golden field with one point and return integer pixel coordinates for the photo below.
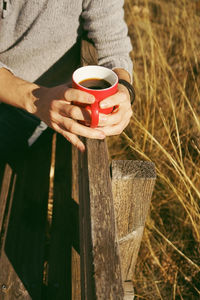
(165, 129)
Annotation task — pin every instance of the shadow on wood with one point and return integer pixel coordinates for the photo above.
(24, 222)
(32, 264)
(65, 226)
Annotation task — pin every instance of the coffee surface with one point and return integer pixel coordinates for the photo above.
(95, 83)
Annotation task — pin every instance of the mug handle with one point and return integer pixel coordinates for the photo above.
(94, 114)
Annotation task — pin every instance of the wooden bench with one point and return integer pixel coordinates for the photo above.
(86, 247)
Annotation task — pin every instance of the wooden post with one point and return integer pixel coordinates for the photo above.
(132, 185)
(101, 275)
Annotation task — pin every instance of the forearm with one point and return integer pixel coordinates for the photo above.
(16, 91)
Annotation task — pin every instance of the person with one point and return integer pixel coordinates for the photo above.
(35, 38)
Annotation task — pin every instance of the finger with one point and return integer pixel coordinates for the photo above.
(108, 120)
(72, 138)
(115, 99)
(115, 129)
(77, 128)
(74, 112)
(82, 130)
(78, 96)
(117, 116)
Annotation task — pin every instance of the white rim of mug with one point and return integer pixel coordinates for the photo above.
(92, 67)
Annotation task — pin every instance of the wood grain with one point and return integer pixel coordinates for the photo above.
(76, 273)
(76, 276)
(132, 185)
(100, 268)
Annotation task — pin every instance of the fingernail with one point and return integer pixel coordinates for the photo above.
(104, 104)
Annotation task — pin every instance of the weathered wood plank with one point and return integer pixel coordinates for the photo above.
(22, 251)
(59, 270)
(100, 267)
(75, 167)
(6, 183)
(65, 225)
(76, 275)
(132, 185)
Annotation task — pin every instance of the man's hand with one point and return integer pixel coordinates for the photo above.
(55, 107)
(117, 121)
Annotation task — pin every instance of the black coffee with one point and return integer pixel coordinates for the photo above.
(95, 83)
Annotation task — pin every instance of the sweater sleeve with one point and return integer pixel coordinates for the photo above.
(103, 20)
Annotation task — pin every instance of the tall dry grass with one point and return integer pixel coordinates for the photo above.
(165, 129)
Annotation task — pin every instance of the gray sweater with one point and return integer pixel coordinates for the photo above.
(34, 34)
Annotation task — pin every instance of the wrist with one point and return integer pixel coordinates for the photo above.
(16, 91)
(34, 94)
(125, 80)
(129, 88)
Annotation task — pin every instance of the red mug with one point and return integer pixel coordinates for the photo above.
(98, 81)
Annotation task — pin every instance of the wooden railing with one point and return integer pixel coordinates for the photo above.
(87, 249)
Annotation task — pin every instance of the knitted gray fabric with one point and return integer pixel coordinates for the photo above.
(34, 34)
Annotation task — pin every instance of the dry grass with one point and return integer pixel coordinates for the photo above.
(165, 129)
